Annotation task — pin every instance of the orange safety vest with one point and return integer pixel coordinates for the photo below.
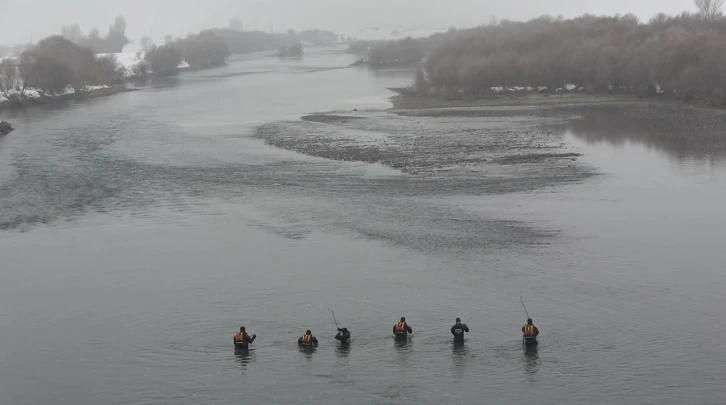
(528, 330)
(240, 338)
(306, 339)
(401, 327)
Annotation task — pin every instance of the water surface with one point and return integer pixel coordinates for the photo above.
(137, 232)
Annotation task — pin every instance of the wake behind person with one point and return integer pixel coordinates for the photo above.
(401, 329)
(458, 331)
(242, 339)
(530, 333)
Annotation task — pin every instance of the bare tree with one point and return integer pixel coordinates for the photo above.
(9, 75)
(709, 9)
(116, 37)
(235, 24)
(72, 33)
(146, 43)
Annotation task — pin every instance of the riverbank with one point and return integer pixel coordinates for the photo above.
(408, 99)
(36, 98)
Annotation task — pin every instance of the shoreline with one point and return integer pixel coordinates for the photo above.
(17, 102)
(407, 99)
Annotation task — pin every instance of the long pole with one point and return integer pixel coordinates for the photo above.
(335, 320)
(467, 321)
(525, 308)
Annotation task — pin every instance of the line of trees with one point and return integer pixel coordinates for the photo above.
(200, 51)
(318, 37)
(249, 41)
(239, 41)
(407, 51)
(55, 64)
(683, 55)
(113, 42)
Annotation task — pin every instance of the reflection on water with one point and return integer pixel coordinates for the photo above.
(243, 357)
(530, 360)
(690, 134)
(343, 350)
(164, 82)
(307, 351)
(403, 349)
(460, 355)
(391, 73)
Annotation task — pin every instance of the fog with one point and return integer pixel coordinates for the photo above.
(23, 20)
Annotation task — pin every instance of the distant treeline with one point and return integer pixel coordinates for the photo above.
(407, 51)
(200, 51)
(683, 55)
(253, 41)
(113, 42)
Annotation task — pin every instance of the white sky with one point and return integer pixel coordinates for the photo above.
(21, 19)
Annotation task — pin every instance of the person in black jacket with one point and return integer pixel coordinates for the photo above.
(458, 331)
(343, 335)
(401, 328)
(242, 339)
(308, 339)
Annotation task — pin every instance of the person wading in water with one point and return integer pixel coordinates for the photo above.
(530, 333)
(458, 331)
(308, 340)
(242, 339)
(401, 329)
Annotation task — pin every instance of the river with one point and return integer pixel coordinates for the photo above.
(139, 231)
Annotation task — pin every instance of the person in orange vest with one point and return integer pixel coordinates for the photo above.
(242, 339)
(401, 328)
(308, 339)
(530, 333)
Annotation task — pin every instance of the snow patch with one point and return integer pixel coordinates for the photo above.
(93, 88)
(29, 93)
(126, 61)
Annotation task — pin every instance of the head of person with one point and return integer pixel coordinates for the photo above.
(458, 320)
(241, 328)
(529, 321)
(403, 319)
(307, 332)
(345, 330)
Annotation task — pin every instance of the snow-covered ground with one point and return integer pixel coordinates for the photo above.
(29, 93)
(128, 60)
(35, 93)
